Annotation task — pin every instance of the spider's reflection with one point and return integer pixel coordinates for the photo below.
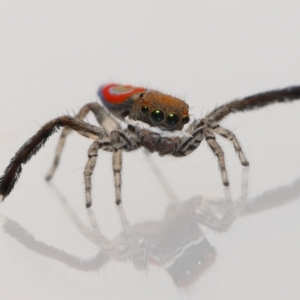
(177, 243)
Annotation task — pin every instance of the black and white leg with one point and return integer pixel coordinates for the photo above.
(88, 171)
(117, 168)
(120, 140)
(115, 143)
(103, 144)
(217, 150)
(188, 144)
(236, 144)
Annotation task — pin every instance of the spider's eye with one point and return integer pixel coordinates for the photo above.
(144, 109)
(172, 120)
(157, 116)
(185, 120)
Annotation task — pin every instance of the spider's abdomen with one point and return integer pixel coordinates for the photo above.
(118, 99)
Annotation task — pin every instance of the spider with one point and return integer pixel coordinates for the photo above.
(156, 121)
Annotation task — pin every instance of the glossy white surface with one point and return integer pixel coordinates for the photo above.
(53, 57)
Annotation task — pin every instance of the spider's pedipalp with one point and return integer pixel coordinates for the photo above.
(188, 145)
(227, 134)
(122, 140)
(217, 150)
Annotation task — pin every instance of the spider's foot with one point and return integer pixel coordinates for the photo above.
(224, 177)
(118, 201)
(243, 159)
(88, 200)
(49, 175)
(48, 178)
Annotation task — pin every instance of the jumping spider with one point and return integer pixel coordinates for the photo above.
(154, 121)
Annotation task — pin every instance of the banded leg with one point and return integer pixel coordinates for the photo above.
(217, 150)
(117, 168)
(103, 119)
(88, 171)
(90, 166)
(33, 145)
(120, 140)
(123, 140)
(188, 145)
(236, 144)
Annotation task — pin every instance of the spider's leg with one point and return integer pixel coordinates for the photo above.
(90, 165)
(120, 140)
(217, 150)
(103, 119)
(88, 171)
(65, 132)
(188, 145)
(58, 152)
(236, 144)
(33, 145)
(117, 168)
(255, 101)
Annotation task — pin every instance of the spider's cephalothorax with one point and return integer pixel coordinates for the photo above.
(154, 121)
(149, 106)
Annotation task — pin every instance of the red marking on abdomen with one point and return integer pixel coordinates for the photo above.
(116, 93)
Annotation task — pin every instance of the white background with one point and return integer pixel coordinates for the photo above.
(53, 58)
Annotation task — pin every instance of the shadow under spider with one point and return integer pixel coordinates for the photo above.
(177, 243)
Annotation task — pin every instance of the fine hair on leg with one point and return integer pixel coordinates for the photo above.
(34, 144)
(101, 116)
(217, 150)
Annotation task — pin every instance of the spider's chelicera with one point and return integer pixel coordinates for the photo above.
(154, 120)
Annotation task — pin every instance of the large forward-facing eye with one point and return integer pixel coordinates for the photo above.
(172, 120)
(157, 116)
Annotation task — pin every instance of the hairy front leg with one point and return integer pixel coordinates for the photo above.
(33, 145)
(103, 119)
